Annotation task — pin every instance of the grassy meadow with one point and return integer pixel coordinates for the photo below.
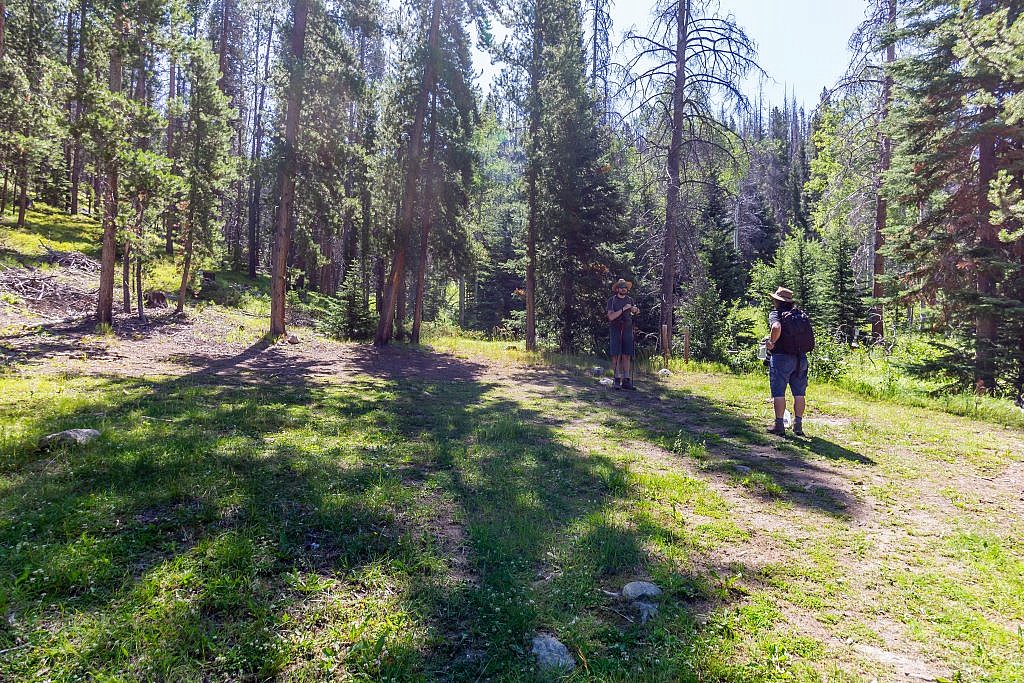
(323, 511)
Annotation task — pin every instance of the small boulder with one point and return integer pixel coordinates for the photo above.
(552, 654)
(639, 590)
(597, 371)
(69, 437)
(741, 469)
(665, 372)
(292, 339)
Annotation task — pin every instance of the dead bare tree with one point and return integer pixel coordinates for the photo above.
(691, 58)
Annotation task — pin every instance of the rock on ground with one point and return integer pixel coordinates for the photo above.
(639, 590)
(69, 437)
(552, 654)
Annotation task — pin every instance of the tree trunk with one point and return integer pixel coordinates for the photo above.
(426, 218)
(986, 320)
(3, 27)
(256, 181)
(881, 205)
(400, 308)
(138, 287)
(126, 277)
(3, 195)
(254, 220)
(673, 208)
(988, 240)
(236, 217)
(565, 343)
(532, 170)
(172, 122)
(414, 160)
(69, 106)
(105, 297)
(222, 46)
(23, 189)
(139, 202)
(77, 153)
(364, 244)
(283, 225)
(185, 268)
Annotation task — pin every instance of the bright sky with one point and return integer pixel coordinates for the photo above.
(802, 44)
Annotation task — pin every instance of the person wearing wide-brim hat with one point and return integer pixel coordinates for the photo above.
(621, 309)
(789, 340)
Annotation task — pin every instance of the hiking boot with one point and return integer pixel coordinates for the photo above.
(776, 430)
(618, 383)
(627, 383)
(799, 430)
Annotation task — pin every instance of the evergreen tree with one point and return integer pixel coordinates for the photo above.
(953, 138)
(582, 207)
(205, 146)
(841, 299)
(717, 248)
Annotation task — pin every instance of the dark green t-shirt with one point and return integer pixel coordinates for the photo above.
(617, 303)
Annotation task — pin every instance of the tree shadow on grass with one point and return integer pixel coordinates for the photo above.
(727, 442)
(78, 337)
(248, 520)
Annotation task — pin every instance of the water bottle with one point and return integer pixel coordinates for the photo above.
(762, 351)
(787, 419)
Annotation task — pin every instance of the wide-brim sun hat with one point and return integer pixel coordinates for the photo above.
(783, 295)
(620, 283)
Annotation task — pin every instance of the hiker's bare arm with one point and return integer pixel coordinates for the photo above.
(775, 334)
(615, 315)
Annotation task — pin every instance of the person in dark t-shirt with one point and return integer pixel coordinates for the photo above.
(621, 310)
(786, 367)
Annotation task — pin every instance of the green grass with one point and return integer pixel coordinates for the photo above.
(390, 525)
(50, 227)
(379, 529)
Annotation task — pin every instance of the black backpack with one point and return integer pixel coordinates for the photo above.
(797, 334)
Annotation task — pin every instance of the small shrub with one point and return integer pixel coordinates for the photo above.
(828, 361)
(512, 328)
(720, 331)
(949, 362)
(346, 316)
